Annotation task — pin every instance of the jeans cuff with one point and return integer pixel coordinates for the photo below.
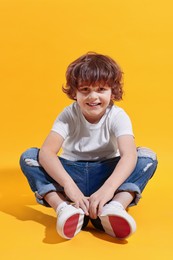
(46, 189)
(131, 187)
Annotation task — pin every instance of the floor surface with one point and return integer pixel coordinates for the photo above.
(28, 229)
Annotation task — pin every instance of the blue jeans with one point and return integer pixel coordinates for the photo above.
(89, 176)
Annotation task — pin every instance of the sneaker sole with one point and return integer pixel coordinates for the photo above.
(73, 225)
(116, 226)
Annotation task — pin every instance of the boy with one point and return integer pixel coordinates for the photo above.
(100, 172)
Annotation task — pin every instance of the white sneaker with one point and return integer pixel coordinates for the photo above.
(117, 222)
(69, 221)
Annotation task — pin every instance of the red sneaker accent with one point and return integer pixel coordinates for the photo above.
(71, 225)
(119, 226)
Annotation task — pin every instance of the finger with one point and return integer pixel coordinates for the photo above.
(93, 214)
(76, 204)
(93, 210)
(86, 201)
(100, 209)
(84, 207)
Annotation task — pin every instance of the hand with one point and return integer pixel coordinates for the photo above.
(98, 199)
(75, 195)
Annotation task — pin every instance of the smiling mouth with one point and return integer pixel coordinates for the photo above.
(93, 104)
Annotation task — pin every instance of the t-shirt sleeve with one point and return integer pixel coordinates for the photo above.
(121, 125)
(62, 124)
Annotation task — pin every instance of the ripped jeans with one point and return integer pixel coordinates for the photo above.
(88, 176)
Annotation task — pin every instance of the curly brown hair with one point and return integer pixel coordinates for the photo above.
(92, 69)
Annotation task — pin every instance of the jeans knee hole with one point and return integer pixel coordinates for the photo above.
(32, 162)
(147, 166)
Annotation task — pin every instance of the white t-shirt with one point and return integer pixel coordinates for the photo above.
(91, 142)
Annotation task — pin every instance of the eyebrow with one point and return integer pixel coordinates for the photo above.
(97, 86)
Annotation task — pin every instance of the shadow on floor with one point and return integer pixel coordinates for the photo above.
(16, 200)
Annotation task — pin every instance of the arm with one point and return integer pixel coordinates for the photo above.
(52, 165)
(122, 171)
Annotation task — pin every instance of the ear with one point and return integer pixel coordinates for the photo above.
(112, 96)
(75, 94)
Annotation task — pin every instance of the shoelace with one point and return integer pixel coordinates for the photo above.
(61, 210)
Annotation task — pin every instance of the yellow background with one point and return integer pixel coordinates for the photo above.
(38, 39)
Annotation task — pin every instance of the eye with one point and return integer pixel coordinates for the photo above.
(102, 89)
(84, 90)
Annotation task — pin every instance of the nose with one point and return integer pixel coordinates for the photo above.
(92, 95)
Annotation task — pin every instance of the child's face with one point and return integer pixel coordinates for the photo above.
(93, 101)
